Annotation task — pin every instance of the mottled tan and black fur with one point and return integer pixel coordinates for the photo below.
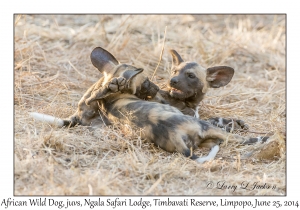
(162, 124)
(118, 96)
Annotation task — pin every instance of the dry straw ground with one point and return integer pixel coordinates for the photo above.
(52, 70)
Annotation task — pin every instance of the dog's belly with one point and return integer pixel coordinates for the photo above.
(161, 124)
(142, 113)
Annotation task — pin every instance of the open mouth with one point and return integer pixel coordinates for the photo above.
(174, 90)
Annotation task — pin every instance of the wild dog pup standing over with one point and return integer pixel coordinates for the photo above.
(190, 82)
(161, 124)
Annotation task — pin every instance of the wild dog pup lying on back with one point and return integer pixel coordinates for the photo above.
(161, 124)
(188, 85)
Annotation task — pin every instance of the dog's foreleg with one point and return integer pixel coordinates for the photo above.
(246, 140)
(115, 85)
(49, 119)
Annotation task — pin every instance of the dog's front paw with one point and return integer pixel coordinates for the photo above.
(228, 124)
(117, 84)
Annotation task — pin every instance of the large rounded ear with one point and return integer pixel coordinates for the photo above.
(219, 76)
(176, 58)
(103, 60)
(129, 74)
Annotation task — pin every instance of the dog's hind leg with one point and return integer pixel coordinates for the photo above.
(209, 131)
(254, 140)
(228, 125)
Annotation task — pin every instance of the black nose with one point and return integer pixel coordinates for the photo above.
(174, 81)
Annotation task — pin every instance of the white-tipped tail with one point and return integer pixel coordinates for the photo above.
(47, 119)
(212, 154)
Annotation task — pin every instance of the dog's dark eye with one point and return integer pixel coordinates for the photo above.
(191, 75)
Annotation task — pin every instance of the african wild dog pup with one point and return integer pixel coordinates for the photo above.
(161, 124)
(188, 85)
(91, 115)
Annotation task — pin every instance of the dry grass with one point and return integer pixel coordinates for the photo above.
(53, 70)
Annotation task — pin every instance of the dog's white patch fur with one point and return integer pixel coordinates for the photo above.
(47, 119)
(220, 123)
(197, 113)
(212, 154)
